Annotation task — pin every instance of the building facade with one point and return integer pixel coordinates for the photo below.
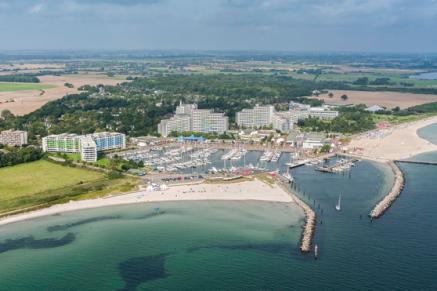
(322, 113)
(189, 118)
(283, 122)
(204, 120)
(179, 123)
(256, 117)
(13, 137)
(86, 145)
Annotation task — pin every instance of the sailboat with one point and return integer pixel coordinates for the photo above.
(338, 206)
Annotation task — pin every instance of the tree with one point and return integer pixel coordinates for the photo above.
(344, 97)
(330, 95)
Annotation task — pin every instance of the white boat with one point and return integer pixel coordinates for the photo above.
(316, 252)
(338, 206)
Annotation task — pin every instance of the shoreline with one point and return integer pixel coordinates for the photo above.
(255, 190)
(396, 143)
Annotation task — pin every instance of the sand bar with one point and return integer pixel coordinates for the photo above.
(396, 143)
(248, 190)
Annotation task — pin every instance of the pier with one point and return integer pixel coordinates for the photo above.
(310, 221)
(417, 162)
(391, 197)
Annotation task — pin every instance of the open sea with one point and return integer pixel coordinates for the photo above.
(238, 245)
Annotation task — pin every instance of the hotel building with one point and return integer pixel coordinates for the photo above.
(13, 137)
(189, 118)
(86, 145)
(257, 117)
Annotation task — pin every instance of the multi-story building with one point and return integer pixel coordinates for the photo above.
(205, 120)
(189, 118)
(88, 149)
(257, 117)
(64, 143)
(282, 121)
(109, 140)
(86, 145)
(178, 123)
(13, 137)
(322, 113)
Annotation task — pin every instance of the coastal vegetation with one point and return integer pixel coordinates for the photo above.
(43, 183)
(10, 156)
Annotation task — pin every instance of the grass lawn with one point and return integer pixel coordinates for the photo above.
(10, 87)
(43, 183)
(394, 119)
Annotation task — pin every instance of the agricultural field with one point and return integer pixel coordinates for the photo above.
(44, 183)
(12, 87)
(28, 98)
(384, 99)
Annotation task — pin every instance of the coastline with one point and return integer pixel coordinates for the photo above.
(255, 190)
(396, 143)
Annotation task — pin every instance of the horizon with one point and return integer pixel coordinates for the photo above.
(318, 26)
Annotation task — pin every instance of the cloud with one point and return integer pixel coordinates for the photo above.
(36, 9)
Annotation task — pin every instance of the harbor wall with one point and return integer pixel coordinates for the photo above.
(310, 220)
(394, 193)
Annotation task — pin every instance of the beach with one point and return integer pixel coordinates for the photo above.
(396, 143)
(247, 190)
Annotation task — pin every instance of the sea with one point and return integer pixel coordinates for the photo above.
(425, 76)
(239, 245)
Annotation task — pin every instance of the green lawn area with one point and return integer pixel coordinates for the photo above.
(394, 119)
(44, 183)
(11, 87)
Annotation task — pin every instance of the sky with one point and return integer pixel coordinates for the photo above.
(274, 25)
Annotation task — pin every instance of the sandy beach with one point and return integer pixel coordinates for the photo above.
(399, 142)
(248, 190)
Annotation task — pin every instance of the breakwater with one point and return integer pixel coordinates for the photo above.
(394, 193)
(310, 219)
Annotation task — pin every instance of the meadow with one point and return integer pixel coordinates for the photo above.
(43, 183)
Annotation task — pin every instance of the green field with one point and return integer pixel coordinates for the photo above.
(11, 87)
(45, 183)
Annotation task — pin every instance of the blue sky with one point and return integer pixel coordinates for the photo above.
(290, 25)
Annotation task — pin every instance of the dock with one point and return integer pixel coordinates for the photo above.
(310, 220)
(391, 197)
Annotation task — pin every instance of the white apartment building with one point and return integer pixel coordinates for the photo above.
(189, 118)
(86, 145)
(205, 120)
(88, 149)
(257, 117)
(179, 123)
(13, 137)
(282, 121)
(322, 113)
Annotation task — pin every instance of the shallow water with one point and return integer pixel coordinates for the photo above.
(238, 245)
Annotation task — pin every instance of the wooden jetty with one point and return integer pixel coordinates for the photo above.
(391, 197)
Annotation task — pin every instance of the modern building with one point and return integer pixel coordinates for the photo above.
(86, 145)
(108, 140)
(322, 113)
(64, 143)
(179, 123)
(13, 137)
(283, 121)
(256, 117)
(88, 149)
(207, 121)
(315, 141)
(189, 118)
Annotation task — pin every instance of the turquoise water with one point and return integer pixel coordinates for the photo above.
(238, 245)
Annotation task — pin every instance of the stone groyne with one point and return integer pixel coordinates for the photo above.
(394, 193)
(310, 221)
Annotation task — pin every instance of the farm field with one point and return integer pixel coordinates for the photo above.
(11, 87)
(21, 102)
(45, 183)
(385, 99)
